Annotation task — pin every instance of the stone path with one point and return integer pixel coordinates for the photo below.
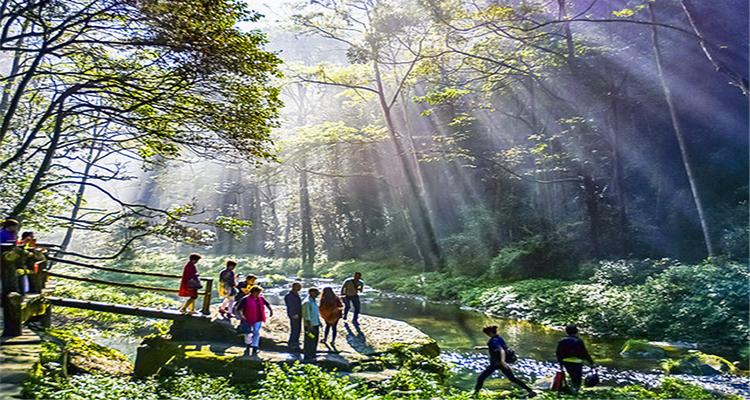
(17, 357)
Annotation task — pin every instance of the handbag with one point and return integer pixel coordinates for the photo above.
(194, 283)
(558, 382)
(592, 379)
(510, 356)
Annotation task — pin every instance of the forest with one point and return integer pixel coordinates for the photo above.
(541, 162)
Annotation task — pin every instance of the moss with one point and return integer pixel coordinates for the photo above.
(698, 363)
(84, 355)
(641, 349)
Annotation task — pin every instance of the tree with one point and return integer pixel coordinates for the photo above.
(391, 43)
(158, 78)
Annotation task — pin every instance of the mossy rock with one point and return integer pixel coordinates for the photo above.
(152, 354)
(635, 348)
(697, 363)
(675, 349)
(85, 356)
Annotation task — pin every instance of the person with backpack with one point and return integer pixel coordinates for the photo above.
(253, 314)
(189, 284)
(572, 354)
(498, 352)
(227, 288)
(294, 312)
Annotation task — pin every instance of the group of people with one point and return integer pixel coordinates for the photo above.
(571, 354)
(245, 302)
(24, 248)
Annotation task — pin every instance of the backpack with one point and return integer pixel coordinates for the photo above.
(238, 307)
(510, 355)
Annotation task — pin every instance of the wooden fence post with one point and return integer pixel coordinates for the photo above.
(207, 297)
(12, 314)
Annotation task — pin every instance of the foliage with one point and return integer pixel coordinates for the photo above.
(305, 381)
(535, 257)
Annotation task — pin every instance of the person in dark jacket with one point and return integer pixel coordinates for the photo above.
(294, 312)
(571, 354)
(497, 348)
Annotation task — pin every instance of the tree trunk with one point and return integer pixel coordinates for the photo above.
(79, 197)
(622, 219)
(308, 239)
(592, 208)
(44, 167)
(432, 256)
(686, 161)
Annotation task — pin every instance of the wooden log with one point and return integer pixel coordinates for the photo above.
(121, 309)
(111, 283)
(91, 266)
(207, 297)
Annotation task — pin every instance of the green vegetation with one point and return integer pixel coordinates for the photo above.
(417, 377)
(659, 300)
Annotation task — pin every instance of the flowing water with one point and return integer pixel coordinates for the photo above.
(458, 331)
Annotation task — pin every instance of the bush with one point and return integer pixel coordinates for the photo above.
(537, 257)
(629, 272)
(305, 381)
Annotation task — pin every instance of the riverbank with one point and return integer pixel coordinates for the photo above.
(653, 300)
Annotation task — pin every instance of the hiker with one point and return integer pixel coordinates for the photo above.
(9, 233)
(350, 290)
(497, 349)
(311, 318)
(294, 312)
(227, 288)
(189, 284)
(28, 241)
(331, 311)
(243, 288)
(253, 314)
(571, 354)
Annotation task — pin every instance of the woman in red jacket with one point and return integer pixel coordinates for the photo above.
(189, 284)
(253, 315)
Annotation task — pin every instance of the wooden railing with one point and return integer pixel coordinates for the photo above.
(18, 308)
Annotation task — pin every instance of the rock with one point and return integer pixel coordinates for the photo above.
(697, 363)
(634, 348)
(675, 349)
(215, 348)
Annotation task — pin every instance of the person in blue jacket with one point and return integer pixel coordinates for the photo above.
(497, 348)
(294, 312)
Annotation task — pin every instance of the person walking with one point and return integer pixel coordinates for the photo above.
(311, 318)
(294, 312)
(254, 315)
(243, 288)
(227, 288)
(331, 311)
(497, 352)
(350, 290)
(572, 354)
(189, 284)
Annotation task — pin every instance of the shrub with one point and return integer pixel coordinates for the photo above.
(537, 257)
(305, 381)
(629, 272)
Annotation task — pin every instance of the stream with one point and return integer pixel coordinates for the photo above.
(458, 330)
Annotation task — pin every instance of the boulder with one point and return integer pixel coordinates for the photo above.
(215, 348)
(697, 363)
(635, 348)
